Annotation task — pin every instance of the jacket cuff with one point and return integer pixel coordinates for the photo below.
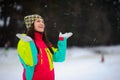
(61, 38)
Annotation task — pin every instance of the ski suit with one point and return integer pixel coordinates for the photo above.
(37, 60)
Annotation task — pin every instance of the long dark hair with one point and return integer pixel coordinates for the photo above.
(30, 32)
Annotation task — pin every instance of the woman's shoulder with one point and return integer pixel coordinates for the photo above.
(24, 37)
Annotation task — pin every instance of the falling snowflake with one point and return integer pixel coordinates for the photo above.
(91, 4)
(114, 2)
(45, 5)
(118, 19)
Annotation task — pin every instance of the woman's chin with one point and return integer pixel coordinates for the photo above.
(41, 31)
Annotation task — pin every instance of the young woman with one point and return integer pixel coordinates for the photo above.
(36, 53)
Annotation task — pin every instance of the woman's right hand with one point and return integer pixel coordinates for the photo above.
(24, 37)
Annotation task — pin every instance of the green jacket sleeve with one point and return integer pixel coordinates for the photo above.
(60, 53)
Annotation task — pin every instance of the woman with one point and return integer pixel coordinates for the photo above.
(36, 53)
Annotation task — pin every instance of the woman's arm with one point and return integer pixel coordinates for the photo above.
(60, 53)
(27, 51)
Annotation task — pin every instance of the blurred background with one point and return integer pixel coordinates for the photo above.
(93, 22)
(93, 51)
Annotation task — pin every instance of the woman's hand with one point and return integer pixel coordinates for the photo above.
(24, 37)
(66, 35)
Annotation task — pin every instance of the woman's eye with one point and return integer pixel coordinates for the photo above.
(38, 21)
(42, 21)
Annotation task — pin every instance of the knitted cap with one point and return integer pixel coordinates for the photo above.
(29, 20)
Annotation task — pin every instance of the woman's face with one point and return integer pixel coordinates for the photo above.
(39, 25)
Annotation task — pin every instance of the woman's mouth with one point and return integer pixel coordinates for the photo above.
(41, 27)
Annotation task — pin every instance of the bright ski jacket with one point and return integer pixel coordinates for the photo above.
(37, 59)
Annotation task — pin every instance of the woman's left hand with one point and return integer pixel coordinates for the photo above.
(66, 35)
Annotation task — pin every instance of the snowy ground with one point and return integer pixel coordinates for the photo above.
(80, 64)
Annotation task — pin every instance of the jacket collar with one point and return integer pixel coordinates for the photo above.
(38, 36)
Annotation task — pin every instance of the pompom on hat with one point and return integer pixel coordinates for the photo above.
(29, 20)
